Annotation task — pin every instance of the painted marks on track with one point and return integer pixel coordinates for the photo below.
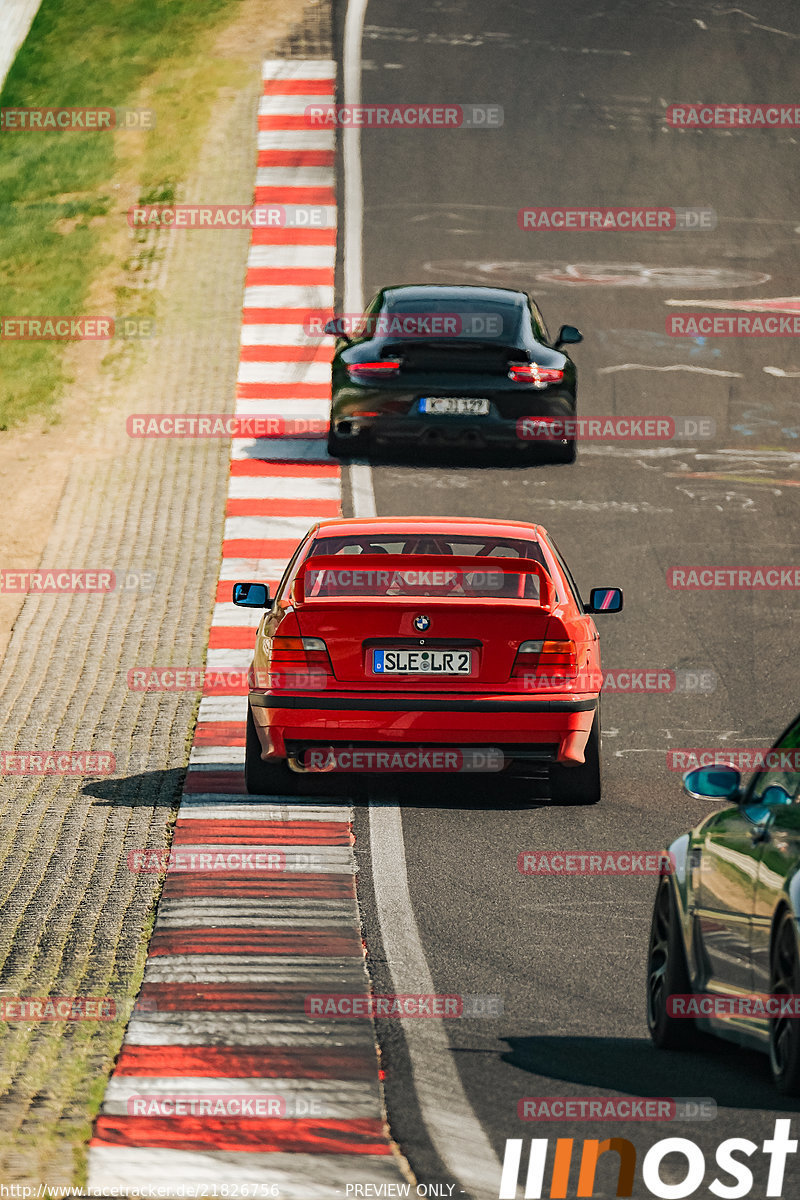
(600, 274)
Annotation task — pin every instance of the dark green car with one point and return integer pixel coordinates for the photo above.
(724, 939)
(452, 366)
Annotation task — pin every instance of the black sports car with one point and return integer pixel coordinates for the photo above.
(454, 366)
(725, 938)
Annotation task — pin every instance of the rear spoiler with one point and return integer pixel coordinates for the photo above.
(404, 563)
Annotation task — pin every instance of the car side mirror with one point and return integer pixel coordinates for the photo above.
(335, 329)
(568, 335)
(775, 795)
(605, 600)
(721, 782)
(251, 595)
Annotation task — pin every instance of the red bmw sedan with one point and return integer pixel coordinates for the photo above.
(411, 644)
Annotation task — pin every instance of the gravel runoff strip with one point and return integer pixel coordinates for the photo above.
(227, 1079)
(75, 918)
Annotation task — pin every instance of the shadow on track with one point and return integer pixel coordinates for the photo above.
(443, 455)
(734, 1077)
(149, 789)
(164, 788)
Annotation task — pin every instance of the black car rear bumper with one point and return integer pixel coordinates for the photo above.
(440, 431)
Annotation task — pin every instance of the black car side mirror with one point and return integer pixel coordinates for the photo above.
(335, 329)
(604, 600)
(568, 335)
(251, 595)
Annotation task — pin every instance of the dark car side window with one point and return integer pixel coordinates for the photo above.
(539, 328)
(785, 773)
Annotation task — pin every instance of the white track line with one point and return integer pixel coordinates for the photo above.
(673, 367)
(454, 1129)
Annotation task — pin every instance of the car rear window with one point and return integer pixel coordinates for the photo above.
(420, 579)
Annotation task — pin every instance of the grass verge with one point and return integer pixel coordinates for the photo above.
(58, 207)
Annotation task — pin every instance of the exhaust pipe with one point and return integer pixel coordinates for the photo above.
(294, 763)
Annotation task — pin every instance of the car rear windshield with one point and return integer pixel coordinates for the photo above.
(465, 318)
(419, 579)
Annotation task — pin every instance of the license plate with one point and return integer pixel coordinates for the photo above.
(422, 662)
(455, 406)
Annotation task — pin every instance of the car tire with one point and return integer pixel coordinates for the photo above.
(263, 778)
(667, 975)
(336, 447)
(784, 1032)
(565, 452)
(351, 447)
(581, 784)
(276, 778)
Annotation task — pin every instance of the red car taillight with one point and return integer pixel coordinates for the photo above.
(540, 377)
(296, 662)
(386, 366)
(548, 659)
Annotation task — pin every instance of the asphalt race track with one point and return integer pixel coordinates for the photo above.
(584, 88)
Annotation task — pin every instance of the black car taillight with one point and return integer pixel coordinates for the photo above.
(534, 375)
(375, 370)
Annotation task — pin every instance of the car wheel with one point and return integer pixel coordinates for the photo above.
(262, 778)
(667, 975)
(581, 784)
(349, 447)
(784, 1032)
(335, 445)
(565, 452)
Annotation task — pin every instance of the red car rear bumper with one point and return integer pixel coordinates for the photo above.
(560, 721)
